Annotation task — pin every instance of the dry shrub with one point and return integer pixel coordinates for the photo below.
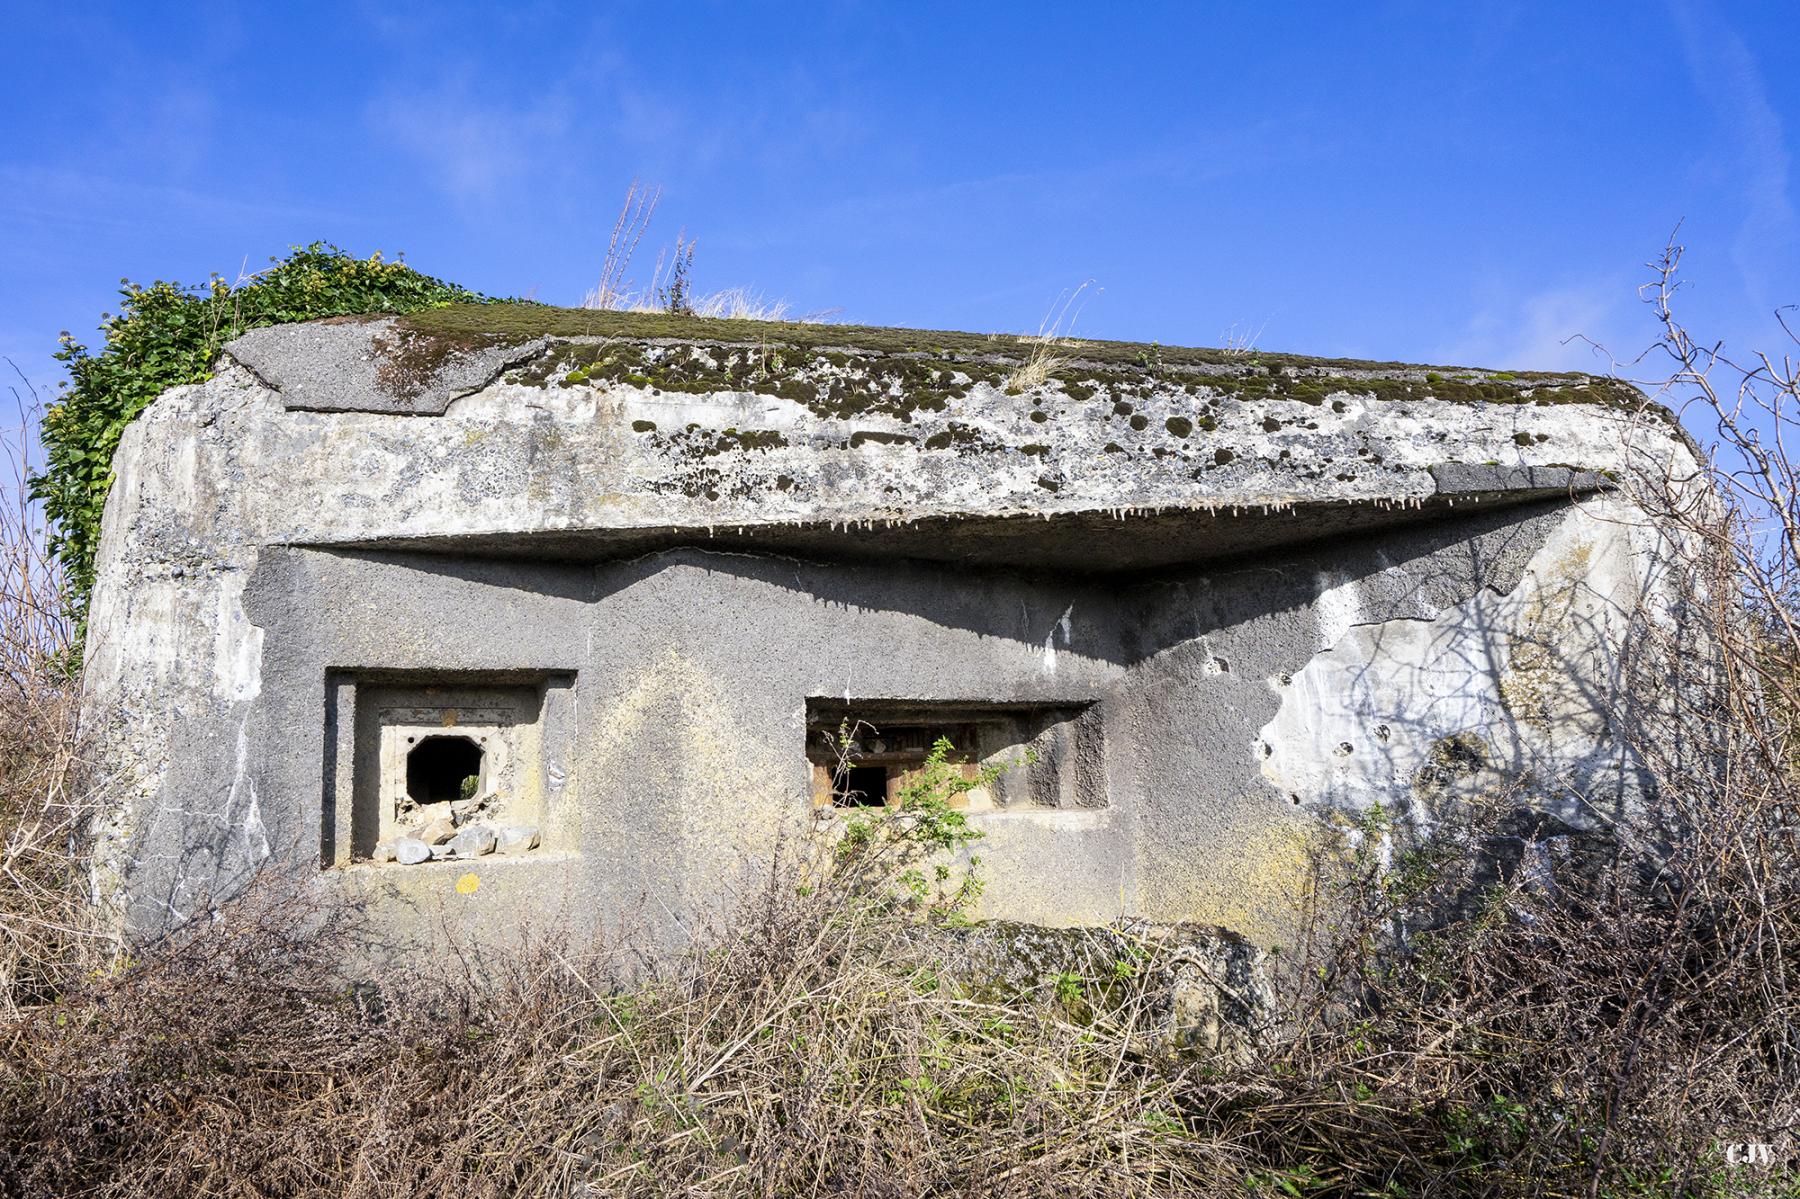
(807, 1045)
(46, 927)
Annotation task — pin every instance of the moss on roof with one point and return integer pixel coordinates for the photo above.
(524, 321)
(1081, 365)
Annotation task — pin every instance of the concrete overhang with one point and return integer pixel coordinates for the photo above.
(1081, 542)
(517, 431)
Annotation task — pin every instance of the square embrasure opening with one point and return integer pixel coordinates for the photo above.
(428, 757)
(865, 753)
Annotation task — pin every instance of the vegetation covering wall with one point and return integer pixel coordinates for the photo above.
(168, 334)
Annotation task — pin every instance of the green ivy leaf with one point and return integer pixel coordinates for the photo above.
(165, 335)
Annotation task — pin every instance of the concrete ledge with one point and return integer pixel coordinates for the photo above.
(1463, 479)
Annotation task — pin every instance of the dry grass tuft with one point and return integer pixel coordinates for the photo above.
(1046, 349)
(670, 286)
(614, 290)
(1240, 340)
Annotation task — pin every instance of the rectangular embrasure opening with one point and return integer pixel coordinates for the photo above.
(462, 765)
(865, 753)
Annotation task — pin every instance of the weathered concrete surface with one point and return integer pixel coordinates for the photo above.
(350, 364)
(1238, 585)
(1504, 690)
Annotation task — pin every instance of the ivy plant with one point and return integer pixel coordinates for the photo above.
(168, 334)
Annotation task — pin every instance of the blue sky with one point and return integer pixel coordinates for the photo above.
(1466, 183)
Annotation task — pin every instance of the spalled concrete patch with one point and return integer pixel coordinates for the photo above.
(1504, 693)
(356, 364)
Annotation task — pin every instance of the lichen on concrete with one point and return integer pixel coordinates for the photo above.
(845, 371)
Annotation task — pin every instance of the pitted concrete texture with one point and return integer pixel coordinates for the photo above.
(1233, 576)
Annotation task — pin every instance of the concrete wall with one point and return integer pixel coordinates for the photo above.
(691, 675)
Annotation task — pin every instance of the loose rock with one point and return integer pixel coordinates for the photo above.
(438, 831)
(410, 851)
(473, 841)
(518, 838)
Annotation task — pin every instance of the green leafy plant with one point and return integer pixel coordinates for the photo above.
(898, 850)
(1068, 986)
(1293, 1183)
(168, 334)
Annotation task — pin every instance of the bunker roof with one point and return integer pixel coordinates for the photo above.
(586, 434)
(519, 322)
(420, 362)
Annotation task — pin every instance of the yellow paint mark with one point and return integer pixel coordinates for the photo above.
(468, 884)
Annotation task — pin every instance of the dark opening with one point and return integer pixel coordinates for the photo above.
(862, 787)
(440, 769)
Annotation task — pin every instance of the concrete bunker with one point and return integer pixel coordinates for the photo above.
(622, 605)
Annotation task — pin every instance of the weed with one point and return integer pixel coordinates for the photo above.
(1045, 348)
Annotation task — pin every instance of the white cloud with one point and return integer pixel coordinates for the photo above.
(1550, 330)
(1726, 75)
(474, 151)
